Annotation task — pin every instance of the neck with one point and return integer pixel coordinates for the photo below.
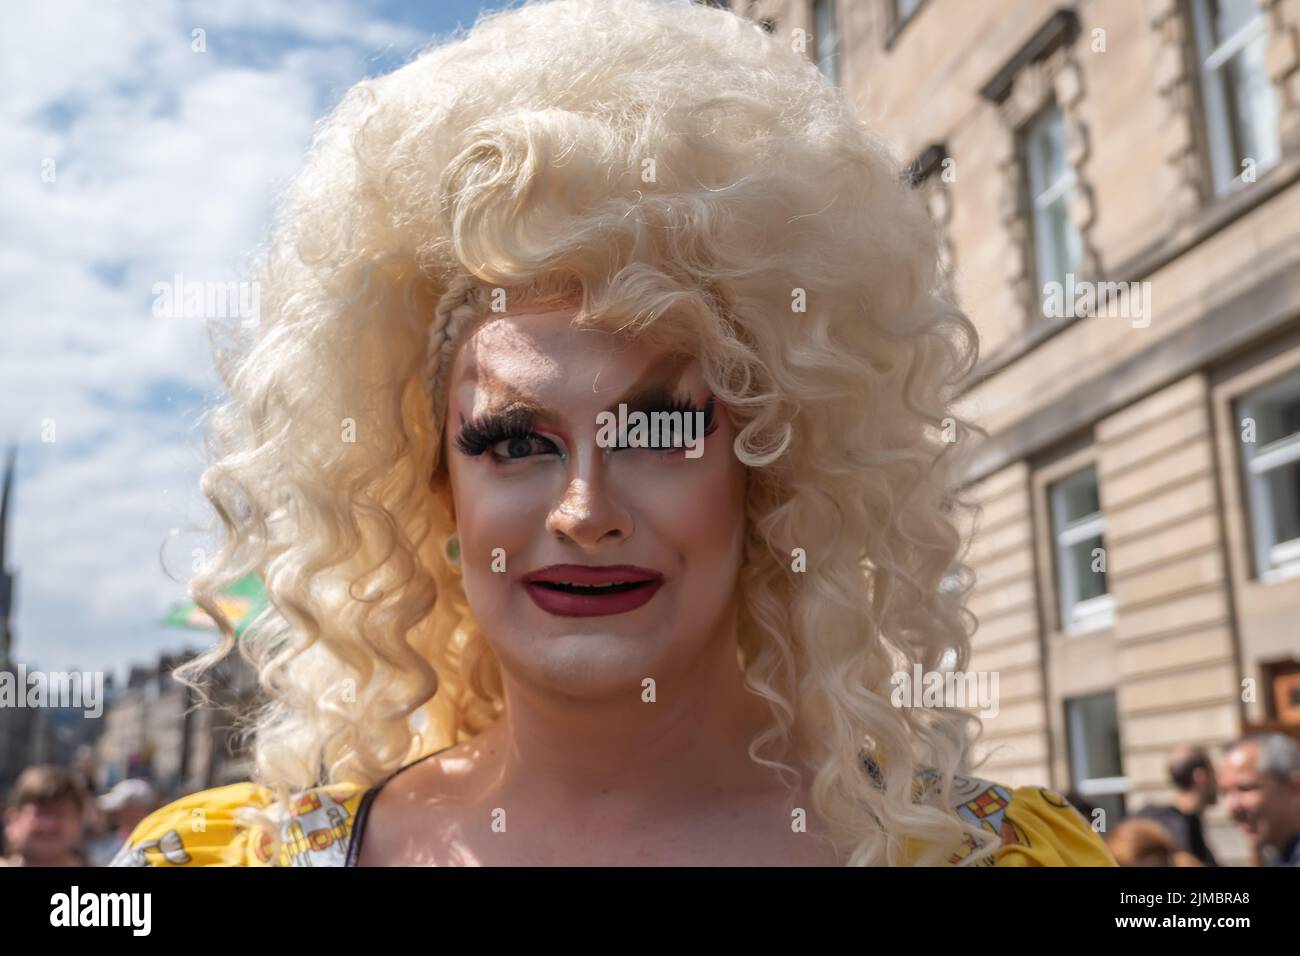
(1187, 802)
(691, 743)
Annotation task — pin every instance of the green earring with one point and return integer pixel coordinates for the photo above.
(451, 548)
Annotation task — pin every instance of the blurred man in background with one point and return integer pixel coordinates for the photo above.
(43, 821)
(129, 802)
(1193, 777)
(1260, 776)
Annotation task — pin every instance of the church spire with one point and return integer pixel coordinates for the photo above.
(6, 579)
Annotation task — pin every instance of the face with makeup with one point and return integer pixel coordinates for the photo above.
(620, 563)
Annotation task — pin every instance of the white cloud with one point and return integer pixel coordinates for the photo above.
(166, 162)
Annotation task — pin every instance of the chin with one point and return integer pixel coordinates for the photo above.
(593, 664)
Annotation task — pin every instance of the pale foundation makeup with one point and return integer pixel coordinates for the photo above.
(619, 563)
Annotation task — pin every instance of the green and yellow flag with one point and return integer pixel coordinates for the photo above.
(241, 602)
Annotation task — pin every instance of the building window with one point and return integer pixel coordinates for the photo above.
(1241, 113)
(1283, 677)
(1050, 181)
(898, 14)
(1078, 528)
(1096, 759)
(903, 10)
(1270, 452)
(826, 39)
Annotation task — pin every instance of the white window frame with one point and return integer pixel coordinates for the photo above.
(1091, 614)
(904, 10)
(1223, 134)
(827, 48)
(1091, 786)
(1274, 560)
(1050, 264)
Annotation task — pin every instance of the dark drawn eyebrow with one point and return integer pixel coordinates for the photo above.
(515, 412)
(654, 390)
(521, 413)
(657, 382)
(642, 395)
(650, 398)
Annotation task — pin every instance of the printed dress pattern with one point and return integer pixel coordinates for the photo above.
(1034, 826)
(317, 834)
(987, 805)
(201, 830)
(169, 847)
(984, 804)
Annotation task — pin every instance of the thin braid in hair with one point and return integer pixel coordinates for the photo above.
(457, 305)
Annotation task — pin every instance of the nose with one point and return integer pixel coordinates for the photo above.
(590, 512)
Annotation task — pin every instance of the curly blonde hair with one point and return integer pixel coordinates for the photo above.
(685, 176)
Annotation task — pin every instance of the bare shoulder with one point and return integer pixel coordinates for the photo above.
(455, 773)
(419, 814)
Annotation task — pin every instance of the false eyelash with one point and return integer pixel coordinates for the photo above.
(685, 406)
(481, 435)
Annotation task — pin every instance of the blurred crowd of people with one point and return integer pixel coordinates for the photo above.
(54, 817)
(1258, 780)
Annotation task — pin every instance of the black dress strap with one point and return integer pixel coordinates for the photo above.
(363, 808)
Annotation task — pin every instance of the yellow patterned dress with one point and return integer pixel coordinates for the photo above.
(1037, 827)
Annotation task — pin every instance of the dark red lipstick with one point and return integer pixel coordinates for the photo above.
(581, 590)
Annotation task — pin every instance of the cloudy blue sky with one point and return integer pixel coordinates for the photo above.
(127, 158)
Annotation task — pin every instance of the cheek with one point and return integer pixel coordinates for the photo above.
(698, 508)
(486, 519)
(717, 512)
(493, 511)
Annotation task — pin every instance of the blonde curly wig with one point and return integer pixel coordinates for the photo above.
(682, 175)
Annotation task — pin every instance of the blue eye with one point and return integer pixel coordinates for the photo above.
(521, 446)
(505, 437)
